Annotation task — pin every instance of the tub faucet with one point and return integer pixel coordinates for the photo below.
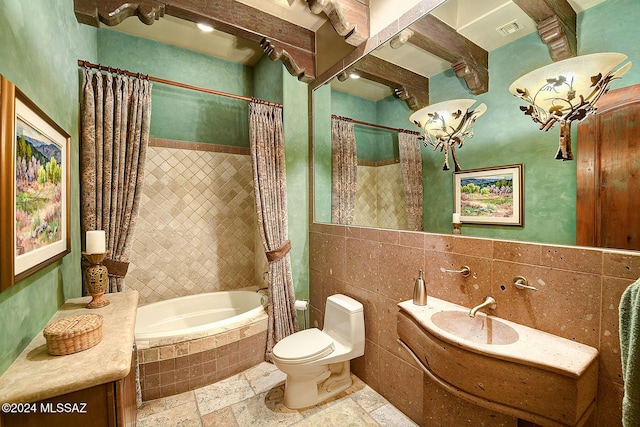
(488, 302)
(464, 271)
(265, 278)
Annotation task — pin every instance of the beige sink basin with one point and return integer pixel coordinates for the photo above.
(501, 365)
(479, 329)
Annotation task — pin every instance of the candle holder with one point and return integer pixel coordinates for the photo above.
(97, 277)
(456, 228)
(456, 221)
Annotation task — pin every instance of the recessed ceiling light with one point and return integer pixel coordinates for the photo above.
(354, 75)
(204, 27)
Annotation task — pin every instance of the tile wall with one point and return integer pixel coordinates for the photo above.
(380, 195)
(196, 228)
(578, 297)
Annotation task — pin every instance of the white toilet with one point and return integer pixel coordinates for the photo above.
(317, 362)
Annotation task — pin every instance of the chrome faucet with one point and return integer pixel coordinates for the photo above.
(488, 302)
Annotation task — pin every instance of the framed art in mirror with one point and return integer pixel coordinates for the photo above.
(492, 195)
(34, 189)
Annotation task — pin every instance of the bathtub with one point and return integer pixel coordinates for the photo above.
(197, 313)
(189, 342)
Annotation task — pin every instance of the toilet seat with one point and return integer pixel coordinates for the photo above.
(303, 347)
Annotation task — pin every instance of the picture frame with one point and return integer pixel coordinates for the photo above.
(34, 189)
(492, 196)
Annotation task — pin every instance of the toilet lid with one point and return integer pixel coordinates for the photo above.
(304, 346)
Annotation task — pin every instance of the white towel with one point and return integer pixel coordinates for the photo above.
(629, 311)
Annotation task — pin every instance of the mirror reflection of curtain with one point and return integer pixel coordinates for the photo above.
(411, 165)
(270, 185)
(344, 170)
(116, 117)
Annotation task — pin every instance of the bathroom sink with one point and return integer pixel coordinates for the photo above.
(480, 329)
(501, 365)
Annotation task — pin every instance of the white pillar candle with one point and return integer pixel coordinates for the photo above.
(96, 242)
(455, 218)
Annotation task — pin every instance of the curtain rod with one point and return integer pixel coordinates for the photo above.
(88, 64)
(333, 116)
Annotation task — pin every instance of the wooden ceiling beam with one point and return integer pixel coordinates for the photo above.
(556, 22)
(468, 60)
(349, 18)
(407, 85)
(280, 39)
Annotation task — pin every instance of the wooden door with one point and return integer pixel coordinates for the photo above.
(608, 175)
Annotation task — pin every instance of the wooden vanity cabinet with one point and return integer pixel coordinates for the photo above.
(111, 404)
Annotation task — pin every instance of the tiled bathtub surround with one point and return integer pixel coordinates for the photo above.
(196, 228)
(177, 367)
(579, 290)
(380, 195)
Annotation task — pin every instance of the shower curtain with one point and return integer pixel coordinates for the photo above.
(344, 170)
(116, 115)
(411, 166)
(269, 178)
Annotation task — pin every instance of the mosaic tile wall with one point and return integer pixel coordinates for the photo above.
(380, 197)
(196, 229)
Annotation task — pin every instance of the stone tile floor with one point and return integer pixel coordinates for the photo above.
(254, 398)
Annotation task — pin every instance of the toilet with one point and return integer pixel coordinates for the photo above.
(317, 362)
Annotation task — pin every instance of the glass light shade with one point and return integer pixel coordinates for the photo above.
(447, 124)
(567, 90)
(444, 119)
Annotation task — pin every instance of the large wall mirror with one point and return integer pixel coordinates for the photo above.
(508, 35)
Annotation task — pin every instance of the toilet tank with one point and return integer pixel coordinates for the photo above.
(344, 321)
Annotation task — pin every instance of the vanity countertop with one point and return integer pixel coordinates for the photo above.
(35, 375)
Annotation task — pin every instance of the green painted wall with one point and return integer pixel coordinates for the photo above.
(184, 114)
(268, 81)
(296, 135)
(40, 43)
(322, 153)
(505, 136)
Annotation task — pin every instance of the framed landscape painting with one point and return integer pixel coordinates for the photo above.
(34, 161)
(490, 195)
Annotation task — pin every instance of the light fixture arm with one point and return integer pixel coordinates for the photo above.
(564, 146)
(456, 165)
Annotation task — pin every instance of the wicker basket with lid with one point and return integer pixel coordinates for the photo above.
(73, 334)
